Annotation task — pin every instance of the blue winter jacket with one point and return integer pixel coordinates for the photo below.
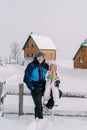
(34, 76)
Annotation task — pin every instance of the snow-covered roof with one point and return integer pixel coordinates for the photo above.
(43, 42)
(85, 42)
(82, 44)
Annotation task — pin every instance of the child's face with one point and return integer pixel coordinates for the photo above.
(52, 69)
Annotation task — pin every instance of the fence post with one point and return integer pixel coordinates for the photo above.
(21, 92)
(1, 89)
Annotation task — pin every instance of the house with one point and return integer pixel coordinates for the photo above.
(80, 58)
(36, 43)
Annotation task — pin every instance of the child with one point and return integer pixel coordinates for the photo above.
(52, 78)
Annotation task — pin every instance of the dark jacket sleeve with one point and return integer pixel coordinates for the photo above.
(27, 75)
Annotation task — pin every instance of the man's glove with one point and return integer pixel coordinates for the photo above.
(57, 83)
(32, 88)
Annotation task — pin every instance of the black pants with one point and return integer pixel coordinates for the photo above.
(50, 103)
(37, 98)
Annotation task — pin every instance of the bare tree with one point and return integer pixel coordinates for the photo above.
(15, 51)
(1, 61)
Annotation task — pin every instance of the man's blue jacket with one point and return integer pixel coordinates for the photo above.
(35, 74)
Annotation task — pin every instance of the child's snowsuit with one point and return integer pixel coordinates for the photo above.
(50, 85)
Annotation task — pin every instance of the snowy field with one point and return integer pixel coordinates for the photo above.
(13, 122)
(72, 80)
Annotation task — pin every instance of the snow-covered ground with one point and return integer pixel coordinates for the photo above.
(26, 122)
(72, 80)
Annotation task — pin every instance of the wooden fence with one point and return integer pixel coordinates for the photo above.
(21, 93)
(1, 89)
(65, 94)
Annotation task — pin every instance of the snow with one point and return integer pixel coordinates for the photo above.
(71, 114)
(43, 40)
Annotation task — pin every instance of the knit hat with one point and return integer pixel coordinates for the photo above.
(53, 65)
(40, 54)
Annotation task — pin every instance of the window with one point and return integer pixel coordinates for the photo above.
(81, 60)
(27, 46)
(32, 46)
(27, 54)
(30, 54)
(34, 54)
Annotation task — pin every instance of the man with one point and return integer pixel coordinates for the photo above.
(35, 80)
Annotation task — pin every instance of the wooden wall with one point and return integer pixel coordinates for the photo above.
(82, 54)
(31, 49)
(49, 54)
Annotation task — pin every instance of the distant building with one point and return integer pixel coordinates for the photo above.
(36, 43)
(80, 58)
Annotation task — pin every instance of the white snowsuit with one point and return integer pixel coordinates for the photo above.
(50, 85)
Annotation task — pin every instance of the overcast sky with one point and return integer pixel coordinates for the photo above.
(64, 21)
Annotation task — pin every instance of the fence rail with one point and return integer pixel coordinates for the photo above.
(21, 93)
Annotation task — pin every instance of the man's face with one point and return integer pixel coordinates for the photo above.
(40, 59)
